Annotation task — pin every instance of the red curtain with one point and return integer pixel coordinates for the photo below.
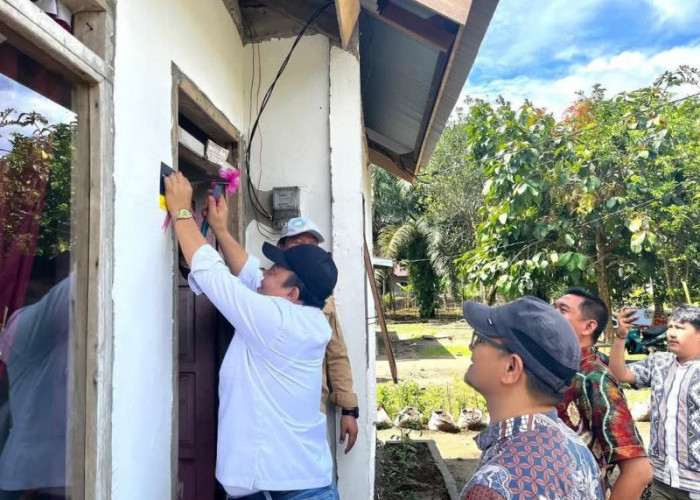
(20, 216)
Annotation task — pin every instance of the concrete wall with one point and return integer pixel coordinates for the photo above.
(150, 34)
(348, 185)
(312, 137)
(291, 145)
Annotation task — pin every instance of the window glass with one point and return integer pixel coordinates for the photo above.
(36, 282)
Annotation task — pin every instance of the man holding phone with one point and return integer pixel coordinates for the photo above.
(674, 378)
(594, 406)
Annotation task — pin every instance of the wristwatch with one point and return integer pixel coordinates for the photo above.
(352, 412)
(183, 213)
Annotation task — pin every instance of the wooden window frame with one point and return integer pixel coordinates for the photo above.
(85, 59)
(189, 99)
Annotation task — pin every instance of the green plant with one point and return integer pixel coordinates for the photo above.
(450, 397)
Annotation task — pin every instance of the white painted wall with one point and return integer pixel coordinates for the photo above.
(348, 183)
(150, 34)
(291, 145)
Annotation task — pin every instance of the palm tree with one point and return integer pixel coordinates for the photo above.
(414, 243)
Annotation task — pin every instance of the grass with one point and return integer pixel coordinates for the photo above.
(446, 351)
(436, 328)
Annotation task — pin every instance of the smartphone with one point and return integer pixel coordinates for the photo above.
(643, 317)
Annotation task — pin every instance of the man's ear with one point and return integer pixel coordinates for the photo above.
(514, 370)
(294, 294)
(591, 326)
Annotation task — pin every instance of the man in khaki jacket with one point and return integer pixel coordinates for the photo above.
(337, 375)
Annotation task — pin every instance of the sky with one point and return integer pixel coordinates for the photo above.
(16, 96)
(547, 50)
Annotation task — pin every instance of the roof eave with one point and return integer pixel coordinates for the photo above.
(462, 57)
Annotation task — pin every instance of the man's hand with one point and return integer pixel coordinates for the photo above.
(217, 214)
(348, 427)
(625, 321)
(178, 192)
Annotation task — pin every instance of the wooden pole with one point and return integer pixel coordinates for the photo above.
(380, 315)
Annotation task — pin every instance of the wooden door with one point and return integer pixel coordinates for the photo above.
(199, 346)
(197, 387)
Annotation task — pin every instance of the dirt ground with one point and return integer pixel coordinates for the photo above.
(436, 360)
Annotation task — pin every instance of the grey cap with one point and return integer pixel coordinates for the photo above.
(298, 225)
(534, 330)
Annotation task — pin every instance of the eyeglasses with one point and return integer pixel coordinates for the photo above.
(480, 338)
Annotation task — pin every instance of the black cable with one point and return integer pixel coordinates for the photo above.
(266, 98)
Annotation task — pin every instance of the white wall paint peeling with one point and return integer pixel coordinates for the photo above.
(202, 40)
(355, 470)
(291, 145)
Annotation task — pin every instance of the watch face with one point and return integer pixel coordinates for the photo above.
(184, 214)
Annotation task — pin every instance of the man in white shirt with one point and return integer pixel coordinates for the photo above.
(272, 434)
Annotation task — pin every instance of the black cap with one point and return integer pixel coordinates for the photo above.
(312, 264)
(534, 330)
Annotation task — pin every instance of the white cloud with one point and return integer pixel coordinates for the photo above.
(521, 33)
(679, 12)
(625, 71)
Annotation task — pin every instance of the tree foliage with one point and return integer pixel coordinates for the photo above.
(35, 184)
(608, 196)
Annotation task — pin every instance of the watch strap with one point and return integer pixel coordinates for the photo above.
(352, 412)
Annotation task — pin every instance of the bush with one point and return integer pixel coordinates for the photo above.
(451, 397)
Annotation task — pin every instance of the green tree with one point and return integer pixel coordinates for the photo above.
(416, 246)
(35, 179)
(450, 187)
(596, 199)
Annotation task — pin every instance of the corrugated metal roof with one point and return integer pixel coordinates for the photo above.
(409, 85)
(397, 72)
(465, 53)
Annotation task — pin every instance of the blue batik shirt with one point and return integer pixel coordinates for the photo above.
(533, 457)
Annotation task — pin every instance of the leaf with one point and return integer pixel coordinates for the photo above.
(503, 218)
(635, 224)
(565, 258)
(611, 202)
(643, 154)
(637, 240)
(569, 238)
(487, 187)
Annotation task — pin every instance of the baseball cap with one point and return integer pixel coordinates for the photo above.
(312, 264)
(534, 330)
(299, 225)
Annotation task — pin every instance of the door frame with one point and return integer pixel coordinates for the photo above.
(85, 58)
(203, 112)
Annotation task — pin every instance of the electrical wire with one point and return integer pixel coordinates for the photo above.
(257, 205)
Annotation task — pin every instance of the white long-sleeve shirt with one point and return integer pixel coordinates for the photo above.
(272, 434)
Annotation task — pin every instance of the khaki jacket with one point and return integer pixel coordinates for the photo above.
(337, 375)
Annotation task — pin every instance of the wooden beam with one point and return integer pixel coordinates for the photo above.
(454, 10)
(35, 33)
(438, 98)
(76, 6)
(348, 12)
(416, 27)
(200, 110)
(381, 160)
